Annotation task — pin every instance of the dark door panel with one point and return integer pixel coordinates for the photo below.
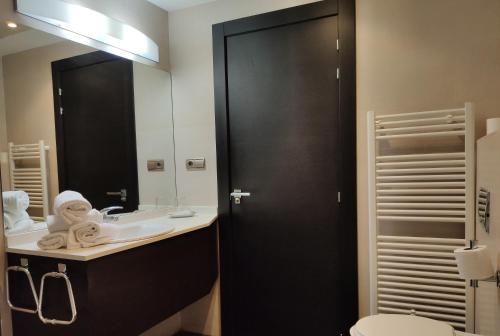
(96, 129)
(283, 149)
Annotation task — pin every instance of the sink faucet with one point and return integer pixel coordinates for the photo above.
(105, 213)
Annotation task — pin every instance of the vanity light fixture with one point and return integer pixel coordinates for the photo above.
(93, 25)
(11, 25)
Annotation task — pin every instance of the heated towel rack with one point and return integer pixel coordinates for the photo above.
(28, 172)
(421, 208)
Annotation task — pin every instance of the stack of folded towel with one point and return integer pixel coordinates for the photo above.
(15, 204)
(75, 224)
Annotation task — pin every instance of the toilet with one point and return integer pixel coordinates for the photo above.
(402, 325)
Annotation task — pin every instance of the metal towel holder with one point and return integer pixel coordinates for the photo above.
(483, 208)
(24, 269)
(61, 273)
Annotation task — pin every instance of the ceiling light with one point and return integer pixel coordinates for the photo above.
(12, 25)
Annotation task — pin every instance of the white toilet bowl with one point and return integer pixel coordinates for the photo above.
(402, 325)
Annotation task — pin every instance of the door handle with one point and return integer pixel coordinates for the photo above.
(122, 193)
(237, 194)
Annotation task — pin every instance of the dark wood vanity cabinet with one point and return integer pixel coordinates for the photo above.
(124, 293)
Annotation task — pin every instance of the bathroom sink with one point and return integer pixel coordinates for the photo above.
(143, 229)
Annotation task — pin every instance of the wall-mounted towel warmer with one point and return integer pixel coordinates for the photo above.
(28, 172)
(421, 207)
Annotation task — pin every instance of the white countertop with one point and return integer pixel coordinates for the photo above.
(203, 218)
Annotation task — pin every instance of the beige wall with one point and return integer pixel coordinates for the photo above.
(154, 131)
(411, 56)
(140, 14)
(29, 99)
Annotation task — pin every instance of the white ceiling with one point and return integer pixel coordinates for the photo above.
(171, 5)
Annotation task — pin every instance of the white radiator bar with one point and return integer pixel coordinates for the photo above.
(422, 205)
(396, 265)
(456, 118)
(438, 156)
(421, 128)
(421, 170)
(404, 116)
(428, 261)
(422, 198)
(422, 219)
(423, 300)
(414, 293)
(421, 163)
(418, 253)
(421, 135)
(423, 289)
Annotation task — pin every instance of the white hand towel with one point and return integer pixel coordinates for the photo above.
(15, 201)
(71, 206)
(53, 241)
(56, 223)
(91, 233)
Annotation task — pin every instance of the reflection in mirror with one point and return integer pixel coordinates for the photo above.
(73, 118)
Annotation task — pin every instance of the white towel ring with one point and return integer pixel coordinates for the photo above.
(71, 297)
(24, 269)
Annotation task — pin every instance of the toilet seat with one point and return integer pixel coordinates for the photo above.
(398, 325)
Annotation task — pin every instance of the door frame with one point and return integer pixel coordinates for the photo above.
(80, 61)
(345, 10)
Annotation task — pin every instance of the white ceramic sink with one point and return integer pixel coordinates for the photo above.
(143, 229)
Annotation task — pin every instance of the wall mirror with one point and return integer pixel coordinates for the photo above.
(75, 118)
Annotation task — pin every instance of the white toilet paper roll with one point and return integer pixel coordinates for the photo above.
(474, 264)
(492, 125)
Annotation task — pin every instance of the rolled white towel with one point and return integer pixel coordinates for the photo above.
(16, 221)
(20, 226)
(71, 206)
(91, 233)
(15, 201)
(53, 241)
(57, 223)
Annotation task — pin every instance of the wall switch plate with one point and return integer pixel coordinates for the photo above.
(156, 165)
(195, 164)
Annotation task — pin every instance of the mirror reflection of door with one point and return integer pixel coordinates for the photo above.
(95, 129)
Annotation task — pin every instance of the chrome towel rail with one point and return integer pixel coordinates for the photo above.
(23, 269)
(60, 274)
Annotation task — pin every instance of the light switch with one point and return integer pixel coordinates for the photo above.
(195, 164)
(156, 165)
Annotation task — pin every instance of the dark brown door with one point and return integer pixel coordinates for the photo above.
(96, 130)
(284, 149)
